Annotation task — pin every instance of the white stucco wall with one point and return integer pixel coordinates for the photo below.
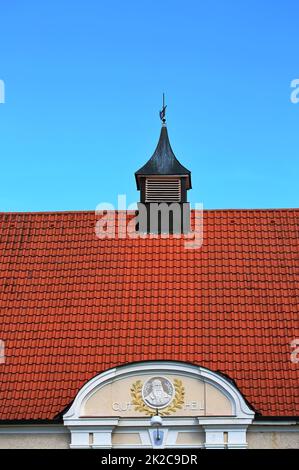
(287, 438)
(58, 437)
(34, 437)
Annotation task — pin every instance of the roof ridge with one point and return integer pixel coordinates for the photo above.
(89, 211)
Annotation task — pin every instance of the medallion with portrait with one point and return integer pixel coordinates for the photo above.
(158, 392)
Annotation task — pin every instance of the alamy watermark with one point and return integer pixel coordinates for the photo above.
(161, 219)
(2, 92)
(295, 353)
(2, 351)
(295, 93)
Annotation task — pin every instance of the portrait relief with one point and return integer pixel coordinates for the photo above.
(158, 392)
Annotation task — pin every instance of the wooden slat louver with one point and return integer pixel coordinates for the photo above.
(162, 190)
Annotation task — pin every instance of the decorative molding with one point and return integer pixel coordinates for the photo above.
(273, 427)
(239, 405)
(141, 426)
(175, 404)
(220, 431)
(33, 429)
(221, 436)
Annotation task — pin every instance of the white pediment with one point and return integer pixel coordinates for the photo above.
(184, 395)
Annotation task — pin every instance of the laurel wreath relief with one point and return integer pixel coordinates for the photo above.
(175, 404)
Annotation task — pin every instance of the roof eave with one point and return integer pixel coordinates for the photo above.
(146, 175)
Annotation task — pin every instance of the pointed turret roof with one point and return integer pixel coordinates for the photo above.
(163, 161)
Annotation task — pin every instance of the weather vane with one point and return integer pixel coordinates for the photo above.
(163, 111)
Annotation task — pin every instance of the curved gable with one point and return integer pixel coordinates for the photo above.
(188, 398)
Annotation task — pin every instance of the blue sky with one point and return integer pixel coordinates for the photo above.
(83, 85)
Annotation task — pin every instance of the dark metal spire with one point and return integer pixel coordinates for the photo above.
(163, 111)
(163, 161)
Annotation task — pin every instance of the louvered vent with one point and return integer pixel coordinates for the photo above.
(162, 190)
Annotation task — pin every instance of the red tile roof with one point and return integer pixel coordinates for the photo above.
(72, 306)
